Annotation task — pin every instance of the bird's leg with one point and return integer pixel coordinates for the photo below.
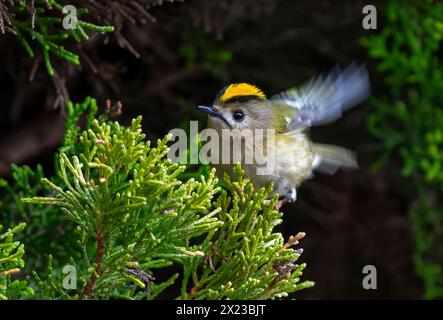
(290, 197)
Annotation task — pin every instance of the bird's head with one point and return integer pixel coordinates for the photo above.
(239, 106)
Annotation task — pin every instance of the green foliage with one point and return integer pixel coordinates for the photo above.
(133, 216)
(198, 49)
(46, 229)
(39, 24)
(409, 119)
(246, 259)
(75, 112)
(11, 261)
(109, 190)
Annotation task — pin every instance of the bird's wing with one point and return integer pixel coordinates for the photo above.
(323, 99)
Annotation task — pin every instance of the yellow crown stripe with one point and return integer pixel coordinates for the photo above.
(241, 89)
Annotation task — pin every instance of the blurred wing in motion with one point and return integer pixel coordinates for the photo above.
(323, 99)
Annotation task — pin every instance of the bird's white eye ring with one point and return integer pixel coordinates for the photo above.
(238, 115)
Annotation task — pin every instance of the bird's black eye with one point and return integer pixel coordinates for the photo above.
(238, 116)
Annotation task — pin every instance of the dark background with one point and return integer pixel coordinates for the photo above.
(352, 219)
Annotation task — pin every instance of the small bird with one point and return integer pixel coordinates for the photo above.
(320, 101)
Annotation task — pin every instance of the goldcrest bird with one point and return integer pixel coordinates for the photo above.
(320, 101)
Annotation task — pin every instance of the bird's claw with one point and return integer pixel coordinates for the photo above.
(290, 197)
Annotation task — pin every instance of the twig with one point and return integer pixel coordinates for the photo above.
(88, 289)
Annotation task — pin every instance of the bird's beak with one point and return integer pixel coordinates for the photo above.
(210, 110)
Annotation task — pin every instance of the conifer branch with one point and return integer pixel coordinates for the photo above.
(134, 216)
(45, 28)
(11, 262)
(87, 291)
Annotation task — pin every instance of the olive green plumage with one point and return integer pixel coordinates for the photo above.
(322, 100)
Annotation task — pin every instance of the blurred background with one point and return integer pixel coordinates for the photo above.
(167, 57)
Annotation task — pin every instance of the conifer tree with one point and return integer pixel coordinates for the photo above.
(133, 216)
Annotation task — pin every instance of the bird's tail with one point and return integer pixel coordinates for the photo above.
(328, 158)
